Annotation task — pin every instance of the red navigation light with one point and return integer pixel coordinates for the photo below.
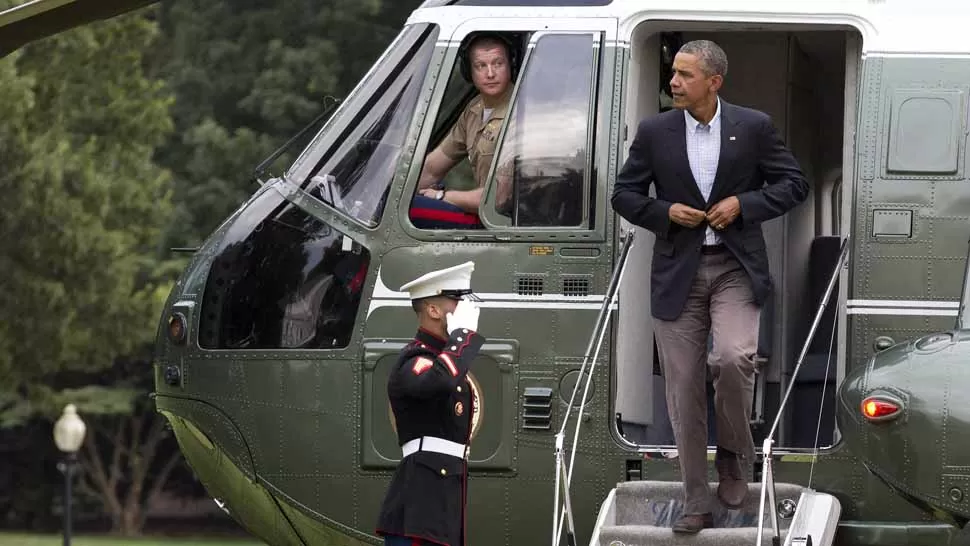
(176, 328)
(878, 408)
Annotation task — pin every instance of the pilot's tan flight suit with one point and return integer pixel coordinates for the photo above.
(476, 136)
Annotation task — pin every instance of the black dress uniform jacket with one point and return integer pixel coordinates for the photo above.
(430, 396)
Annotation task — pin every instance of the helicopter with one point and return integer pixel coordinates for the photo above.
(274, 347)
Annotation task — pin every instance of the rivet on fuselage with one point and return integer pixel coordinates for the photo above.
(882, 343)
(956, 495)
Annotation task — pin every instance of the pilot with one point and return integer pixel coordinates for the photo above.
(432, 402)
(489, 62)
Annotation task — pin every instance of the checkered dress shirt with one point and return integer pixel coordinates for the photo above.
(703, 149)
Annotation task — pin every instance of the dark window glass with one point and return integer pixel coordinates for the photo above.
(543, 163)
(282, 279)
(355, 176)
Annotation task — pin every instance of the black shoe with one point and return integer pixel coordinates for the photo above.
(693, 523)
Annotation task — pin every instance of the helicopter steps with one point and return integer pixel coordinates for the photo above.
(641, 513)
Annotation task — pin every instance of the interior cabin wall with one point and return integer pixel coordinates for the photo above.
(829, 76)
(639, 391)
(796, 78)
(819, 66)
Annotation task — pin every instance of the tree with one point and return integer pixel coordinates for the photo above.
(121, 139)
(83, 201)
(249, 75)
(128, 454)
(84, 206)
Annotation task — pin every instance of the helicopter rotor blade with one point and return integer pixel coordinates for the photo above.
(39, 19)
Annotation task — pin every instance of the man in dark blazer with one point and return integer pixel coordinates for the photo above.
(720, 170)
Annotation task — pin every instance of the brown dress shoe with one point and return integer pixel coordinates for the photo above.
(732, 487)
(693, 523)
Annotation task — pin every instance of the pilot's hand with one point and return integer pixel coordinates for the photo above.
(464, 316)
(686, 216)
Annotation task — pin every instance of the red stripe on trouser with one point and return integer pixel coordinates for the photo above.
(444, 216)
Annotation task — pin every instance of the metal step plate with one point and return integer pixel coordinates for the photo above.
(815, 520)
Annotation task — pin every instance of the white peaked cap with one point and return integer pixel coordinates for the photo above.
(435, 283)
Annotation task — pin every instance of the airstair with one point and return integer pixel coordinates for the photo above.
(642, 512)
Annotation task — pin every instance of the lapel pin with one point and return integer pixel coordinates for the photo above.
(731, 138)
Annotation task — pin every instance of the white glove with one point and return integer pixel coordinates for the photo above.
(465, 316)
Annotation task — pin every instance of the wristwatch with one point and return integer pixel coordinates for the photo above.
(440, 195)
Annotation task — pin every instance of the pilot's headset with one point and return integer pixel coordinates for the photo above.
(464, 54)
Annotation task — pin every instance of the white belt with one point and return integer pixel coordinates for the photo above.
(438, 445)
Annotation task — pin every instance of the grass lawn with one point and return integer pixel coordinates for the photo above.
(86, 540)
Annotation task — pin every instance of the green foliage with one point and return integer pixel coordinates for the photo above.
(248, 76)
(119, 140)
(84, 205)
(90, 400)
(96, 118)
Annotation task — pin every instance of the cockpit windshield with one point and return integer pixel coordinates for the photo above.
(355, 161)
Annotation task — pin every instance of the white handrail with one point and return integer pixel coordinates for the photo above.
(599, 332)
(963, 321)
(767, 476)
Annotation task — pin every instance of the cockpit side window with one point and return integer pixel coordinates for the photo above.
(518, 159)
(282, 279)
(355, 174)
(543, 174)
(461, 149)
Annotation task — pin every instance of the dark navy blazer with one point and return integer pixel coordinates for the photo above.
(754, 165)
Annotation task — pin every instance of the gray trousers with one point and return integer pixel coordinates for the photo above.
(720, 301)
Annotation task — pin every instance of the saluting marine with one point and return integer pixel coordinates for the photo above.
(432, 402)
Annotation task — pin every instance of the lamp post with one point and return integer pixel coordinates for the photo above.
(68, 435)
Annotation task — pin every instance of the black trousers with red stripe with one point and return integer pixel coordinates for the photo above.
(395, 540)
(428, 213)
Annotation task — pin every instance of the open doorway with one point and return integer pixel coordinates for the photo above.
(805, 78)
